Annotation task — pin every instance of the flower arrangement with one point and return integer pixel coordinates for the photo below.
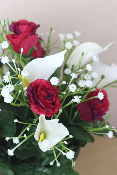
(49, 105)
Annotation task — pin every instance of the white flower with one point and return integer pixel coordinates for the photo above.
(107, 126)
(95, 58)
(8, 99)
(7, 139)
(110, 73)
(25, 135)
(24, 73)
(49, 130)
(16, 120)
(10, 87)
(89, 83)
(43, 68)
(5, 92)
(70, 154)
(51, 163)
(76, 99)
(13, 60)
(87, 76)
(76, 42)
(69, 36)
(27, 129)
(68, 45)
(81, 83)
(58, 164)
(21, 50)
(73, 75)
(41, 34)
(54, 80)
(8, 73)
(15, 140)
(94, 74)
(90, 49)
(6, 78)
(100, 95)
(60, 110)
(0, 109)
(110, 134)
(47, 33)
(4, 45)
(2, 22)
(67, 71)
(70, 136)
(89, 67)
(10, 152)
(77, 34)
(63, 82)
(5, 60)
(65, 142)
(61, 36)
(53, 31)
(72, 87)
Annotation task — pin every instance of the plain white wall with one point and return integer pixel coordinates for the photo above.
(95, 19)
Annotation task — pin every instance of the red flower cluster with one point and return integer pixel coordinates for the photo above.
(43, 97)
(25, 37)
(94, 109)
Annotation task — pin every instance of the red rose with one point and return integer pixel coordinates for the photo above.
(24, 37)
(94, 109)
(43, 97)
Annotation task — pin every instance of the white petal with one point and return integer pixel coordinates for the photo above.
(43, 68)
(90, 49)
(109, 72)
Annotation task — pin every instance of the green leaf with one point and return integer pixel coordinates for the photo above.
(19, 111)
(7, 125)
(29, 52)
(5, 167)
(81, 135)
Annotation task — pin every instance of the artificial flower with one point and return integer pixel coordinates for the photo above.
(90, 49)
(24, 36)
(49, 133)
(110, 73)
(43, 97)
(95, 108)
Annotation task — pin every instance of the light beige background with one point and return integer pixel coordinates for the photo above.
(97, 22)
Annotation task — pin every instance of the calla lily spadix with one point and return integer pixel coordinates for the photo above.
(89, 48)
(49, 133)
(110, 73)
(43, 68)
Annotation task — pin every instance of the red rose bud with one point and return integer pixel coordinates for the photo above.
(94, 109)
(24, 37)
(43, 97)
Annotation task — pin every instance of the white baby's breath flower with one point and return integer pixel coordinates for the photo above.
(89, 83)
(54, 80)
(58, 164)
(73, 75)
(10, 152)
(45, 143)
(69, 36)
(5, 60)
(7, 139)
(27, 129)
(100, 95)
(6, 78)
(4, 45)
(110, 134)
(61, 36)
(107, 126)
(60, 110)
(0, 109)
(77, 34)
(5, 92)
(72, 87)
(63, 82)
(89, 67)
(24, 135)
(76, 99)
(68, 45)
(9, 87)
(70, 136)
(13, 60)
(15, 140)
(24, 73)
(70, 154)
(94, 74)
(16, 121)
(81, 83)
(65, 142)
(47, 33)
(67, 71)
(21, 50)
(2, 22)
(51, 163)
(76, 42)
(95, 58)
(87, 76)
(41, 34)
(8, 99)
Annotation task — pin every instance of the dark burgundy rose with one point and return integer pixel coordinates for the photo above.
(43, 97)
(94, 109)
(25, 37)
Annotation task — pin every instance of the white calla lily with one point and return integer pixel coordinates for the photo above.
(110, 73)
(89, 48)
(43, 68)
(50, 131)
